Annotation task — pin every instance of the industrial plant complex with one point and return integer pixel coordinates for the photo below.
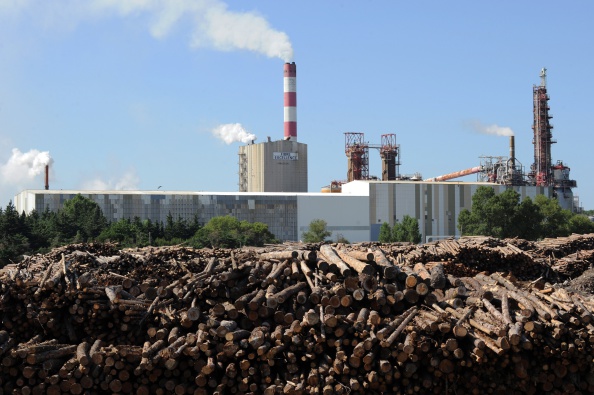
(273, 177)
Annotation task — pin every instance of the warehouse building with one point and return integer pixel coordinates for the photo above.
(355, 214)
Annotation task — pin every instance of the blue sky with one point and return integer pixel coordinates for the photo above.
(126, 94)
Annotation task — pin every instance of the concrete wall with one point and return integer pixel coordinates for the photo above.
(262, 169)
(436, 205)
(346, 215)
(356, 214)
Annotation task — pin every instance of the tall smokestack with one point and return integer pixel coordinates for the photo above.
(46, 177)
(512, 150)
(290, 84)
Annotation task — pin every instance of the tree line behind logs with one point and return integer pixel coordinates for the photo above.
(293, 319)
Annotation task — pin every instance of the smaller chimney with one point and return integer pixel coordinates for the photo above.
(512, 150)
(46, 177)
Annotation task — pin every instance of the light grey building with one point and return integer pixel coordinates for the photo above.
(273, 166)
(355, 214)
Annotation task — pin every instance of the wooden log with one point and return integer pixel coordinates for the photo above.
(66, 351)
(365, 256)
(359, 266)
(331, 256)
(410, 315)
(388, 270)
(438, 279)
(459, 330)
(289, 291)
(280, 255)
(82, 353)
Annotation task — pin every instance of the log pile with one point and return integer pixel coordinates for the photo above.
(575, 264)
(471, 255)
(562, 246)
(325, 319)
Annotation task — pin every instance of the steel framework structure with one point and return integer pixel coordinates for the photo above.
(541, 171)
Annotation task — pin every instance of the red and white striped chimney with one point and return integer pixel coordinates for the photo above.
(290, 83)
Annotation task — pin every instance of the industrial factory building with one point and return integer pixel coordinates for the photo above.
(277, 166)
(356, 214)
(273, 166)
(273, 186)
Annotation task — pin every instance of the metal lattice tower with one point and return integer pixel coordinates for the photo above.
(357, 152)
(541, 171)
(389, 152)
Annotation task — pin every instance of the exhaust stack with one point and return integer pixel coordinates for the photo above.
(46, 177)
(512, 151)
(290, 90)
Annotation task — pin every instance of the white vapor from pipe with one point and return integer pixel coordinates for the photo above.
(212, 23)
(232, 133)
(23, 167)
(491, 129)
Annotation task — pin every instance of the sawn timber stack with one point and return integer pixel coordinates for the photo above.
(332, 319)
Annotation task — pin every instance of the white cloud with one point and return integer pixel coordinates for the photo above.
(212, 24)
(126, 182)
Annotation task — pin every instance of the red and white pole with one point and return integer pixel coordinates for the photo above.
(290, 84)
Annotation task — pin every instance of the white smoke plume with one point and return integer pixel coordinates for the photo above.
(490, 129)
(23, 167)
(212, 23)
(127, 182)
(233, 132)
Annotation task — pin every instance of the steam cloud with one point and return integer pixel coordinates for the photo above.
(233, 132)
(212, 24)
(23, 167)
(127, 182)
(491, 129)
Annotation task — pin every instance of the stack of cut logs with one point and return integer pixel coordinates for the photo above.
(561, 246)
(331, 319)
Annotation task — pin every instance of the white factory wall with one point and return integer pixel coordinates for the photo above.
(357, 214)
(436, 205)
(24, 201)
(346, 215)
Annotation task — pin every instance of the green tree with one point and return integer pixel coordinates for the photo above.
(42, 229)
(385, 233)
(13, 230)
(478, 220)
(80, 218)
(407, 230)
(121, 231)
(505, 216)
(502, 209)
(580, 224)
(527, 221)
(229, 232)
(317, 232)
(555, 219)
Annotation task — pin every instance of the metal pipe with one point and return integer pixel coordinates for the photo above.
(456, 174)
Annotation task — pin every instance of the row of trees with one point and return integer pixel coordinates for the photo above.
(81, 220)
(504, 215)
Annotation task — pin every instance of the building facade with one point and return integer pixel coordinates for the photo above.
(355, 214)
(273, 166)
